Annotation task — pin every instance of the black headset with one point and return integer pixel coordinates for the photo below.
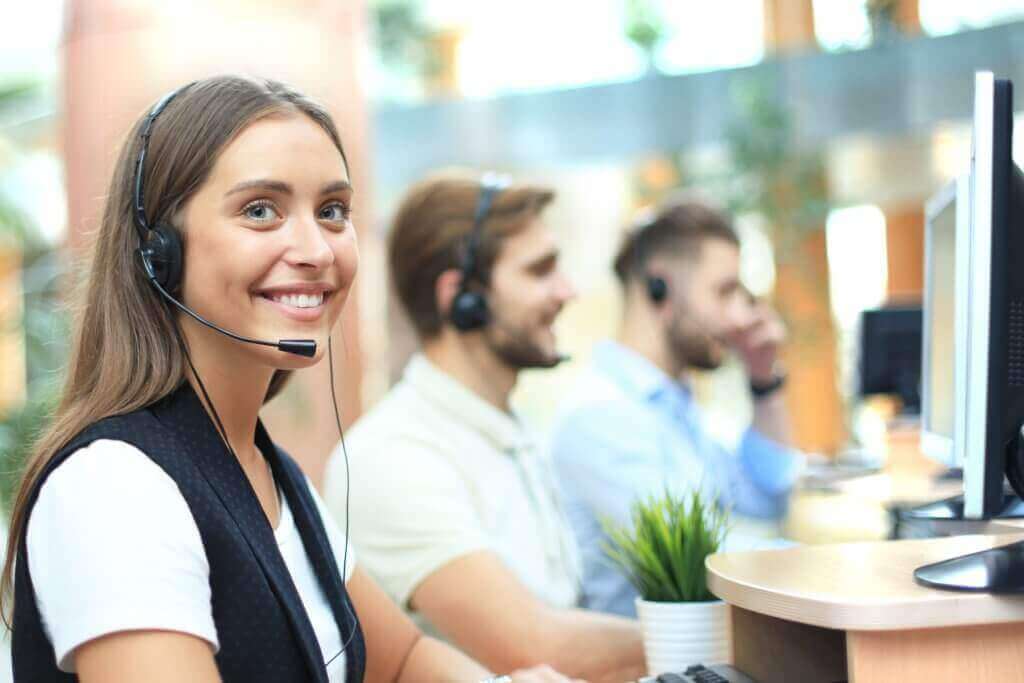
(160, 252)
(656, 286)
(469, 309)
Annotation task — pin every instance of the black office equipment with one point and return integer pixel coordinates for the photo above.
(890, 354)
(991, 400)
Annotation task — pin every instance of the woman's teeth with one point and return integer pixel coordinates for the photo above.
(300, 300)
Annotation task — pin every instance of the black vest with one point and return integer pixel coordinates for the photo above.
(263, 629)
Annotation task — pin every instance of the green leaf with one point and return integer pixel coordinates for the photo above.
(662, 551)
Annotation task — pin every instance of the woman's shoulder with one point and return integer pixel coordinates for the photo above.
(108, 464)
(105, 480)
(118, 521)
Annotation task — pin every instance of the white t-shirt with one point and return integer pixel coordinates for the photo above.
(112, 546)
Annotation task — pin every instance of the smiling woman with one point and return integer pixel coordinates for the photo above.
(158, 533)
(278, 204)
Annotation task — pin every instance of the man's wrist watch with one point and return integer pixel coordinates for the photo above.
(764, 389)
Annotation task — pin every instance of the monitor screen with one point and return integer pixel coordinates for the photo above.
(939, 322)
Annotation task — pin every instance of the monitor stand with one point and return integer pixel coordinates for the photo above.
(997, 570)
(952, 510)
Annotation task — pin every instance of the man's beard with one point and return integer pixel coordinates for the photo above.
(516, 350)
(691, 346)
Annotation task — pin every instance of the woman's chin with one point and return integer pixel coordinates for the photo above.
(289, 361)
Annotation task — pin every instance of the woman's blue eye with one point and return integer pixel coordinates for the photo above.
(336, 212)
(260, 211)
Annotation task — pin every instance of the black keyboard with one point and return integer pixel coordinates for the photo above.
(698, 673)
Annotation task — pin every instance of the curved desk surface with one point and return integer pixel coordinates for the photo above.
(859, 586)
(853, 611)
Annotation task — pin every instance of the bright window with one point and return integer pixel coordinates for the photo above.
(857, 261)
(712, 35)
(858, 274)
(841, 24)
(941, 17)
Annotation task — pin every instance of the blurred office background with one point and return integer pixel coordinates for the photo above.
(824, 124)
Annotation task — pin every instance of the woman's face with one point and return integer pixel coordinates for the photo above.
(270, 249)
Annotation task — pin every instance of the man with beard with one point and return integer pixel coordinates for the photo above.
(454, 509)
(631, 427)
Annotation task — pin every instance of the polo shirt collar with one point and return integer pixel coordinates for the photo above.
(451, 396)
(635, 374)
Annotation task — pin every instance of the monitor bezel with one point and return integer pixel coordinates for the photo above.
(986, 393)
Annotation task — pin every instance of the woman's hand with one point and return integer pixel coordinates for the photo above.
(541, 674)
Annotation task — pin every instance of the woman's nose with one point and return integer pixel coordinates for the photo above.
(309, 246)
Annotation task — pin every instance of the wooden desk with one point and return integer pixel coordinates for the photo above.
(892, 489)
(853, 611)
(860, 508)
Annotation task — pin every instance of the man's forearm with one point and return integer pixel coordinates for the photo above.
(771, 419)
(596, 647)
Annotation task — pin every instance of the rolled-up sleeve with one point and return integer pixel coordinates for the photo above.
(764, 476)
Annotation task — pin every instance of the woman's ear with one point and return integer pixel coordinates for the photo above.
(446, 287)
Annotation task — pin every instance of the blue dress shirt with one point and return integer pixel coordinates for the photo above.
(630, 431)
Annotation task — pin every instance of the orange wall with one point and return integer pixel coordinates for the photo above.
(789, 25)
(904, 243)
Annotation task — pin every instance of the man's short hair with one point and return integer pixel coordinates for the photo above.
(677, 229)
(430, 231)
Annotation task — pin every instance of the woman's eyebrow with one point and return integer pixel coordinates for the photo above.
(262, 184)
(336, 186)
(284, 188)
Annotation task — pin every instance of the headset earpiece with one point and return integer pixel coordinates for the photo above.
(162, 256)
(469, 311)
(657, 288)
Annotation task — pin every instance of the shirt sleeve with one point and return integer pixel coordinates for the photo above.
(112, 546)
(762, 475)
(774, 467)
(411, 511)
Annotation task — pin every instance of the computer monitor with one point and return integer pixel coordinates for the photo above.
(992, 400)
(947, 221)
(994, 388)
(890, 354)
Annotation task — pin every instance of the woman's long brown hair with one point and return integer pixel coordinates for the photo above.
(124, 350)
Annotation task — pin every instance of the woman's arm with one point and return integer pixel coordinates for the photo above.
(152, 656)
(396, 651)
(483, 607)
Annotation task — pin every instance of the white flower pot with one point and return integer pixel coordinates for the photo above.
(678, 634)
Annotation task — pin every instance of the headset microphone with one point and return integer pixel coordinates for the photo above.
(300, 347)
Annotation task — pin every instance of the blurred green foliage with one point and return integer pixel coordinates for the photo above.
(403, 39)
(645, 26)
(662, 551)
(43, 321)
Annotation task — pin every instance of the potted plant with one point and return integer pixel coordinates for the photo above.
(662, 554)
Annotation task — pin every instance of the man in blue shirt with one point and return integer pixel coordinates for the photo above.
(631, 426)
